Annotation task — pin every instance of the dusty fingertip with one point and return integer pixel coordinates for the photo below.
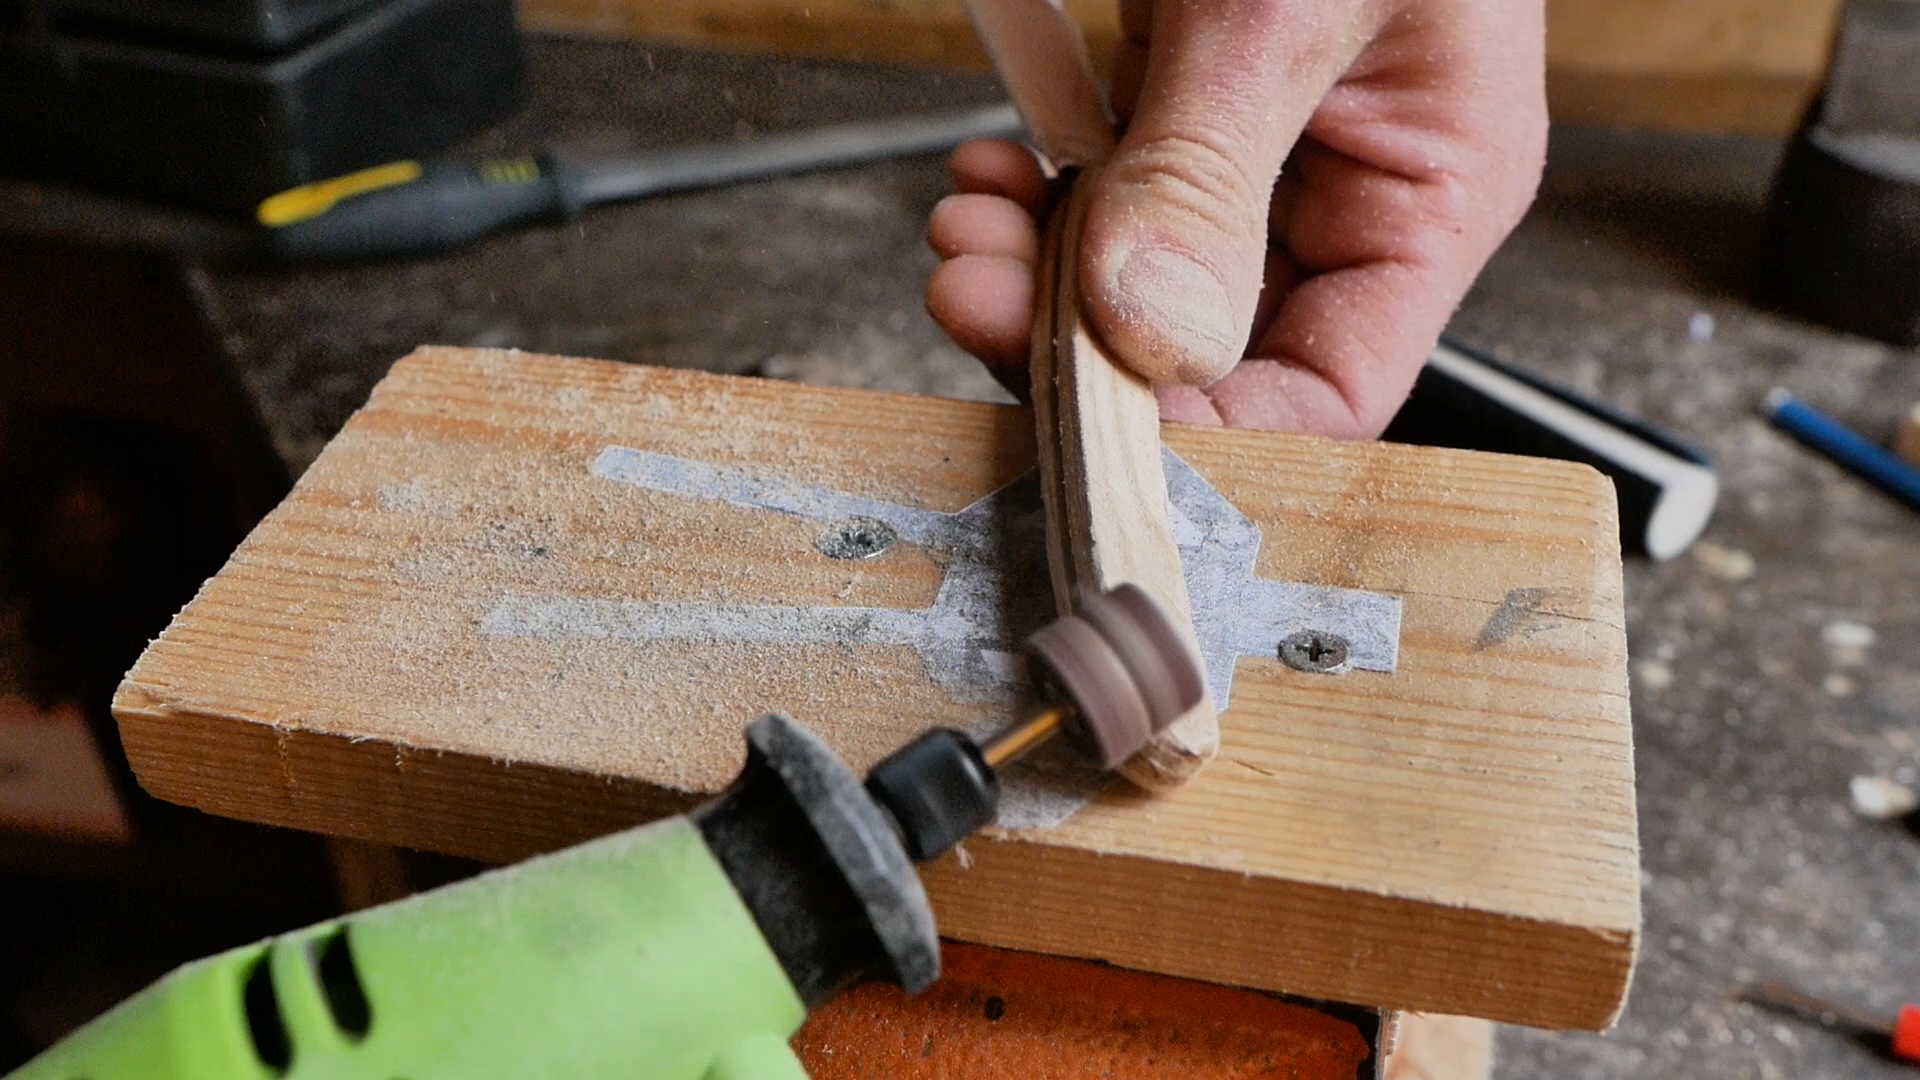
(1164, 314)
(985, 304)
(982, 225)
(1162, 309)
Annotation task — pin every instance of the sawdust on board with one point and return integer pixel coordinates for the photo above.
(457, 516)
(931, 448)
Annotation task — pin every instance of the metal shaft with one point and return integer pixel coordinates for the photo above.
(680, 168)
(1782, 998)
(1012, 742)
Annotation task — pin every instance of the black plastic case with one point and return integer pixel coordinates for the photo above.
(257, 25)
(220, 130)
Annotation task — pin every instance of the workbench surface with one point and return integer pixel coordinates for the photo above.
(1628, 281)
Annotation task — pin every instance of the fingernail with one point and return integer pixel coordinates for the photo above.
(1167, 296)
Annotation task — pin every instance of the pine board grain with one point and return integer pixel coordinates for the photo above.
(1457, 837)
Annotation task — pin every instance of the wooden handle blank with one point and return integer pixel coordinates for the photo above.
(1906, 440)
(1104, 487)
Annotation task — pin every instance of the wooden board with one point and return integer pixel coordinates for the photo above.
(1718, 65)
(1723, 65)
(1457, 836)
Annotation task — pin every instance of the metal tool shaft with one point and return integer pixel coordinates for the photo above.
(681, 168)
(1782, 998)
(1016, 740)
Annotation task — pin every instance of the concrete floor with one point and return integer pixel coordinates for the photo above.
(1628, 281)
(1749, 721)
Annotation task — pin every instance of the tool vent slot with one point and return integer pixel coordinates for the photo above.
(340, 985)
(265, 1025)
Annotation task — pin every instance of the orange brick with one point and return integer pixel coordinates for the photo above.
(996, 1014)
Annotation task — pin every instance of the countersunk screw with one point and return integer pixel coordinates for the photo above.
(856, 538)
(1316, 651)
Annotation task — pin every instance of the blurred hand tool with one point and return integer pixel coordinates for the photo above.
(406, 208)
(1898, 1035)
(688, 949)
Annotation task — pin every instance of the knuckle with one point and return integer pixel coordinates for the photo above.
(1200, 175)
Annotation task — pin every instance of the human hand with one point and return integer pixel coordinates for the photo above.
(1412, 132)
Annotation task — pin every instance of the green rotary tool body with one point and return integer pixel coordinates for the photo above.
(686, 949)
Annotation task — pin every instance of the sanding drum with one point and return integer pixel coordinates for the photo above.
(1125, 668)
(1111, 677)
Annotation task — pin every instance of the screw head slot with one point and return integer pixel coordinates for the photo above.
(856, 538)
(1316, 651)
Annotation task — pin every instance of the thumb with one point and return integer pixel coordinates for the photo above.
(1176, 234)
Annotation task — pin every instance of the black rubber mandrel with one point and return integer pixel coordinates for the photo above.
(1121, 670)
(938, 788)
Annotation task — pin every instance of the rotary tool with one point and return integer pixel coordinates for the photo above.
(686, 949)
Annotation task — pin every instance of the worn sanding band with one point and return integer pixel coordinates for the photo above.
(1164, 668)
(1124, 666)
(1113, 717)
